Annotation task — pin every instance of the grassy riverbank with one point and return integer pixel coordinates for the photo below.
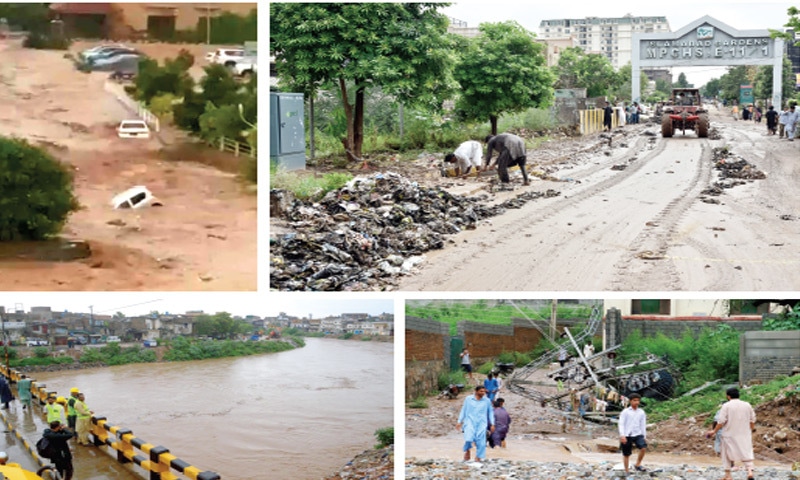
(175, 350)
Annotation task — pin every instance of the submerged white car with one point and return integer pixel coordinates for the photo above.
(135, 197)
(133, 129)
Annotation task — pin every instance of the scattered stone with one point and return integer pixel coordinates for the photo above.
(117, 222)
(369, 465)
(650, 255)
(789, 218)
(619, 166)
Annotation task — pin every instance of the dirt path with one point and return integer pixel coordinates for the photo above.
(641, 227)
(204, 238)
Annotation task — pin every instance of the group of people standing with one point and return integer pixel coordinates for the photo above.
(65, 418)
(783, 123)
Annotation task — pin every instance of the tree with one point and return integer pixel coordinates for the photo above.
(683, 82)
(762, 87)
(221, 325)
(731, 82)
(402, 47)
(793, 24)
(502, 70)
(35, 192)
(592, 71)
(31, 17)
(711, 89)
(173, 77)
(623, 89)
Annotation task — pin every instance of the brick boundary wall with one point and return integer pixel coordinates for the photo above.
(427, 355)
(765, 355)
(674, 327)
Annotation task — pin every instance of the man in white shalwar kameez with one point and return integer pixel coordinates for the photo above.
(739, 420)
(476, 417)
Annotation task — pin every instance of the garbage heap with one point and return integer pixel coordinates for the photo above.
(369, 232)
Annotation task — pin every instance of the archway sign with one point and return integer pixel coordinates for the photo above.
(707, 42)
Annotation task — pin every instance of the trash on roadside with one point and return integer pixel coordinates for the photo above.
(135, 197)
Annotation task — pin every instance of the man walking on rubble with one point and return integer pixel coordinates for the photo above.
(791, 122)
(739, 422)
(476, 417)
(633, 432)
(512, 152)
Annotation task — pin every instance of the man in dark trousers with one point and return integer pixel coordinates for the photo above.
(58, 435)
(772, 120)
(512, 152)
(608, 112)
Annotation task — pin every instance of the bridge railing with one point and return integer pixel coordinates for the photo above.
(154, 459)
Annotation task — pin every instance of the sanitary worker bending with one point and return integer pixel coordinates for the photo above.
(476, 417)
(512, 152)
(466, 157)
(84, 421)
(633, 432)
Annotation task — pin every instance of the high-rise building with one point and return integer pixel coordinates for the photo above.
(611, 37)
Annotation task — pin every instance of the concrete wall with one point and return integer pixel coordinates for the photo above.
(765, 355)
(674, 327)
(427, 355)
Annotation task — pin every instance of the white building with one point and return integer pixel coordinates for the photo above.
(611, 37)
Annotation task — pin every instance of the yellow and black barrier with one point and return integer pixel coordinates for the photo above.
(158, 460)
(592, 120)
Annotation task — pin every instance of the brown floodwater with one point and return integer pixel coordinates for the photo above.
(300, 414)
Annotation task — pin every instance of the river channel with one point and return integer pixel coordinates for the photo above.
(299, 414)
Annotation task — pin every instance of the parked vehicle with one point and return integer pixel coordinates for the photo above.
(113, 339)
(150, 343)
(228, 56)
(36, 342)
(245, 67)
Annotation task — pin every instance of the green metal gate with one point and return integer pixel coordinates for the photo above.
(456, 345)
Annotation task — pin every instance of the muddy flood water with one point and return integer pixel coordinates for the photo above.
(300, 414)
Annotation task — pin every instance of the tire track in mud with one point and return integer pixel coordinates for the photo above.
(660, 233)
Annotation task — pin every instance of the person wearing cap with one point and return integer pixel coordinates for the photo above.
(53, 411)
(4, 460)
(84, 421)
(24, 391)
(72, 414)
(58, 435)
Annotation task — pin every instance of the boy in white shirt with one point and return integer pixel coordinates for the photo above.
(633, 432)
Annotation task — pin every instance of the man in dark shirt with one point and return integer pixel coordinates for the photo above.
(607, 113)
(58, 435)
(512, 152)
(772, 120)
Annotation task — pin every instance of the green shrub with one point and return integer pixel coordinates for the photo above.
(385, 437)
(41, 352)
(161, 106)
(36, 192)
(419, 402)
(485, 368)
(250, 169)
(306, 186)
(40, 41)
(457, 378)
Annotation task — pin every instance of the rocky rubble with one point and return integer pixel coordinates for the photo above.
(375, 228)
(508, 469)
(733, 171)
(368, 465)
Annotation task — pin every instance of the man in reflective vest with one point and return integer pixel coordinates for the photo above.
(84, 421)
(72, 414)
(53, 411)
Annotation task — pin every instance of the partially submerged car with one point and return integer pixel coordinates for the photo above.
(135, 197)
(228, 56)
(133, 129)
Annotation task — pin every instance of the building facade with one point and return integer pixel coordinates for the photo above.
(611, 37)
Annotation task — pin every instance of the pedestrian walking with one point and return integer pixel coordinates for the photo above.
(476, 417)
(562, 355)
(5, 392)
(791, 122)
(511, 149)
(466, 365)
(738, 419)
(633, 432)
(772, 120)
(58, 435)
(502, 423)
(607, 114)
(782, 122)
(84, 420)
(491, 386)
(24, 392)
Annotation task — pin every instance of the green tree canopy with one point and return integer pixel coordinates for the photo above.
(221, 325)
(762, 87)
(402, 47)
(502, 70)
(592, 71)
(682, 82)
(711, 89)
(734, 79)
(623, 89)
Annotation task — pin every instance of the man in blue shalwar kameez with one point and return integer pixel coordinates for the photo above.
(477, 416)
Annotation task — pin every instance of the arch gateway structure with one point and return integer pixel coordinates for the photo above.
(707, 42)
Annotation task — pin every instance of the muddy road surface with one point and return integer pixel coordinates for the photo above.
(203, 238)
(635, 215)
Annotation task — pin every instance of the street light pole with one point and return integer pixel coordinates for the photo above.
(208, 24)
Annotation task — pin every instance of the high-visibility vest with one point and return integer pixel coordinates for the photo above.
(53, 412)
(71, 412)
(80, 415)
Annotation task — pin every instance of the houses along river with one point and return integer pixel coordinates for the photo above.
(299, 414)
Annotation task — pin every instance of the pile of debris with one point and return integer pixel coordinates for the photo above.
(375, 228)
(371, 464)
(731, 166)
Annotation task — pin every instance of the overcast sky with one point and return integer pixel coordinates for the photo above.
(137, 303)
(741, 15)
